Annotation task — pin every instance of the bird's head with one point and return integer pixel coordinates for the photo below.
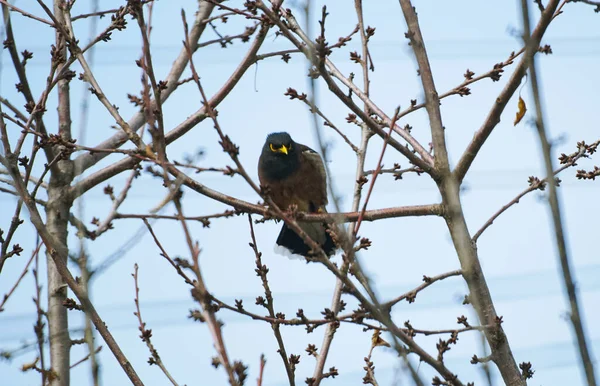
(280, 156)
(280, 144)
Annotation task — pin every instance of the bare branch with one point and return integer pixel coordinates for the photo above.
(116, 168)
(370, 215)
(145, 333)
(106, 224)
(432, 100)
(21, 276)
(575, 314)
(261, 270)
(427, 281)
(58, 253)
(589, 2)
(375, 174)
(26, 14)
(308, 48)
(85, 358)
(534, 184)
(493, 117)
(202, 296)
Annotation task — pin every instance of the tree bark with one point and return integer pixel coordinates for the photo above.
(479, 293)
(57, 218)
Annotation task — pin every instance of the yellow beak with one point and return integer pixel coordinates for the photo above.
(283, 149)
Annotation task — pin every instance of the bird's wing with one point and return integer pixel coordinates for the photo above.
(315, 162)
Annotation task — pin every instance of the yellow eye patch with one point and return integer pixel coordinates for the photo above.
(283, 149)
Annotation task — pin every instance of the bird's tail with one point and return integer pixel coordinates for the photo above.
(294, 243)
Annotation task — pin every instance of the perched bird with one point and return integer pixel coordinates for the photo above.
(295, 175)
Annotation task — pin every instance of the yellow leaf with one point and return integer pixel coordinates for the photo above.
(377, 340)
(521, 112)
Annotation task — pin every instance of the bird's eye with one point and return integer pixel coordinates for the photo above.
(273, 149)
(289, 146)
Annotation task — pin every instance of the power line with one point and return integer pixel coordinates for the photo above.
(513, 285)
(437, 49)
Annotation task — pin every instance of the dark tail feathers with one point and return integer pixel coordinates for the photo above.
(294, 243)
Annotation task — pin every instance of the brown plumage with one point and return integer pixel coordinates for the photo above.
(295, 175)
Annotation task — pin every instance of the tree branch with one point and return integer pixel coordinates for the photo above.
(85, 161)
(432, 100)
(561, 244)
(58, 253)
(493, 117)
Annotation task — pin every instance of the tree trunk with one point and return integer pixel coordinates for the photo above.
(57, 216)
(479, 293)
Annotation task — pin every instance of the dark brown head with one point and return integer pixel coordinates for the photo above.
(280, 156)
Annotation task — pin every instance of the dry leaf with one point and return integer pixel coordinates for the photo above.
(521, 112)
(377, 340)
(30, 366)
(149, 152)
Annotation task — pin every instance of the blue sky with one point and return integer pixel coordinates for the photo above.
(517, 253)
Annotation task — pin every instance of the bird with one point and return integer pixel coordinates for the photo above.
(294, 174)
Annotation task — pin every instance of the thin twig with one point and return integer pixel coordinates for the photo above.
(493, 117)
(369, 215)
(336, 304)
(89, 77)
(535, 184)
(23, 80)
(166, 255)
(307, 46)
(59, 253)
(369, 377)
(261, 270)
(155, 115)
(375, 174)
(47, 168)
(21, 276)
(327, 122)
(205, 220)
(106, 224)
(85, 358)
(427, 281)
(85, 161)
(263, 362)
(93, 14)
(202, 296)
(146, 334)
(26, 14)
(589, 2)
(39, 324)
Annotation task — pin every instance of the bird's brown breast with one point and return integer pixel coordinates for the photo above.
(305, 188)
